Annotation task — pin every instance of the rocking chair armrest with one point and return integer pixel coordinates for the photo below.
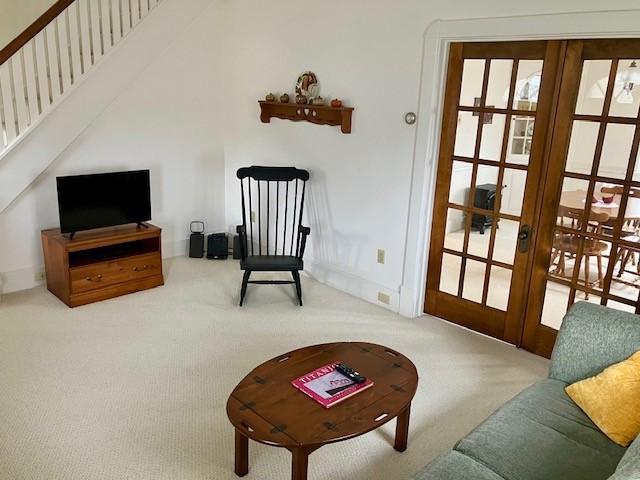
(242, 233)
(305, 231)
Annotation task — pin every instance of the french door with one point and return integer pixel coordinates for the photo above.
(536, 186)
(588, 245)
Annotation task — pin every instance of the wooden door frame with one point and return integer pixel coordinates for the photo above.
(437, 39)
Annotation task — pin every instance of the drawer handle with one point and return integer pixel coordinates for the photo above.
(90, 279)
(145, 267)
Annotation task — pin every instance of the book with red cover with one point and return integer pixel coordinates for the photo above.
(327, 386)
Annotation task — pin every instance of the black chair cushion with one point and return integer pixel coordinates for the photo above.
(271, 263)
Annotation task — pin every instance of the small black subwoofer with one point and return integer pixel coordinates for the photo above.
(196, 240)
(217, 246)
(485, 199)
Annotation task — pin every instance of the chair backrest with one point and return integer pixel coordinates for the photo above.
(575, 217)
(615, 190)
(272, 206)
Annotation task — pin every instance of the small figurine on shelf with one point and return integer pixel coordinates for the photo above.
(301, 99)
(335, 103)
(270, 97)
(318, 101)
(284, 98)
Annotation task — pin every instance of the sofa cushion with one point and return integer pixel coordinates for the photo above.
(611, 399)
(629, 466)
(590, 339)
(456, 466)
(541, 435)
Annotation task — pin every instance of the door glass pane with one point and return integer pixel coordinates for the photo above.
(616, 150)
(625, 282)
(460, 182)
(499, 288)
(474, 281)
(593, 87)
(572, 202)
(479, 242)
(636, 169)
(485, 197)
(487, 176)
(450, 273)
(591, 298)
(454, 233)
(492, 136)
(582, 147)
(472, 76)
(527, 85)
(626, 90)
(594, 262)
(631, 226)
(504, 249)
(556, 298)
(513, 185)
(621, 306)
(499, 81)
(466, 134)
(521, 137)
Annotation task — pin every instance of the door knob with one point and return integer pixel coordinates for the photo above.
(524, 236)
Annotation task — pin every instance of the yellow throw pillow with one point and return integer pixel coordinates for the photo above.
(611, 399)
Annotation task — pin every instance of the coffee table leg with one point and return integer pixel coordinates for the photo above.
(402, 430)
(242, 454)
(299, 463)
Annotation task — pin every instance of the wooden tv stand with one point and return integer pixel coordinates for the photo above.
(102, 263)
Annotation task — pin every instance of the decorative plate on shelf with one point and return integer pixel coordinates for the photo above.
(308, 85)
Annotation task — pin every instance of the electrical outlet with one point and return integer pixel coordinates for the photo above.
(253, 216)
(39, 276)
(384, 298)
(380, 256)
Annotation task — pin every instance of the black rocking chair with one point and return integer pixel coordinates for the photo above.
(272, 238)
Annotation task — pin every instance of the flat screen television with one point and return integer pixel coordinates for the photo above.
(103, 200)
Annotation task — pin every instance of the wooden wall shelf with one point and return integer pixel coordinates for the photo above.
(318, 114)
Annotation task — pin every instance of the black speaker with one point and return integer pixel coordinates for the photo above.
(485, 199)
(196, 241)
(217, 246)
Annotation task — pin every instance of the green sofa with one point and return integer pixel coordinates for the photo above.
(541, 434)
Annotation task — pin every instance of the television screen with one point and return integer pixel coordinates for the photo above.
(103, 200)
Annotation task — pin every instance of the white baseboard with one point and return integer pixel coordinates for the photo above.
(352, 284)
(31, 277)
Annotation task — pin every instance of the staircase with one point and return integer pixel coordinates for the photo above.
(45, 63)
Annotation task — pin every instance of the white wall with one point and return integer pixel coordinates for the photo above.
(16, 15)
(368, 52)
(168, 120)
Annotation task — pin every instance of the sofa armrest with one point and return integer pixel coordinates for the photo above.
(591, 338)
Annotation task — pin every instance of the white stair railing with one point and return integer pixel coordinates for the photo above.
(40, 67)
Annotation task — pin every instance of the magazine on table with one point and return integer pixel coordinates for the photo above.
(327, 386)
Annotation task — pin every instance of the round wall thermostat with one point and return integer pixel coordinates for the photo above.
(410, 118)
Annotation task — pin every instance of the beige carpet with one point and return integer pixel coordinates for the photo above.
(136, 387)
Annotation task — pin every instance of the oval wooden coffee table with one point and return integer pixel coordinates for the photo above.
(265, 407)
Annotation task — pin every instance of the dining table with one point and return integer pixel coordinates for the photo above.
(577, 199)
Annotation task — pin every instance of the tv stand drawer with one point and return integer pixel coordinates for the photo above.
(103, 274)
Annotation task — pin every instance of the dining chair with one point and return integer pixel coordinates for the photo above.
(272, 237)
(566, 245)
(630, 231)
